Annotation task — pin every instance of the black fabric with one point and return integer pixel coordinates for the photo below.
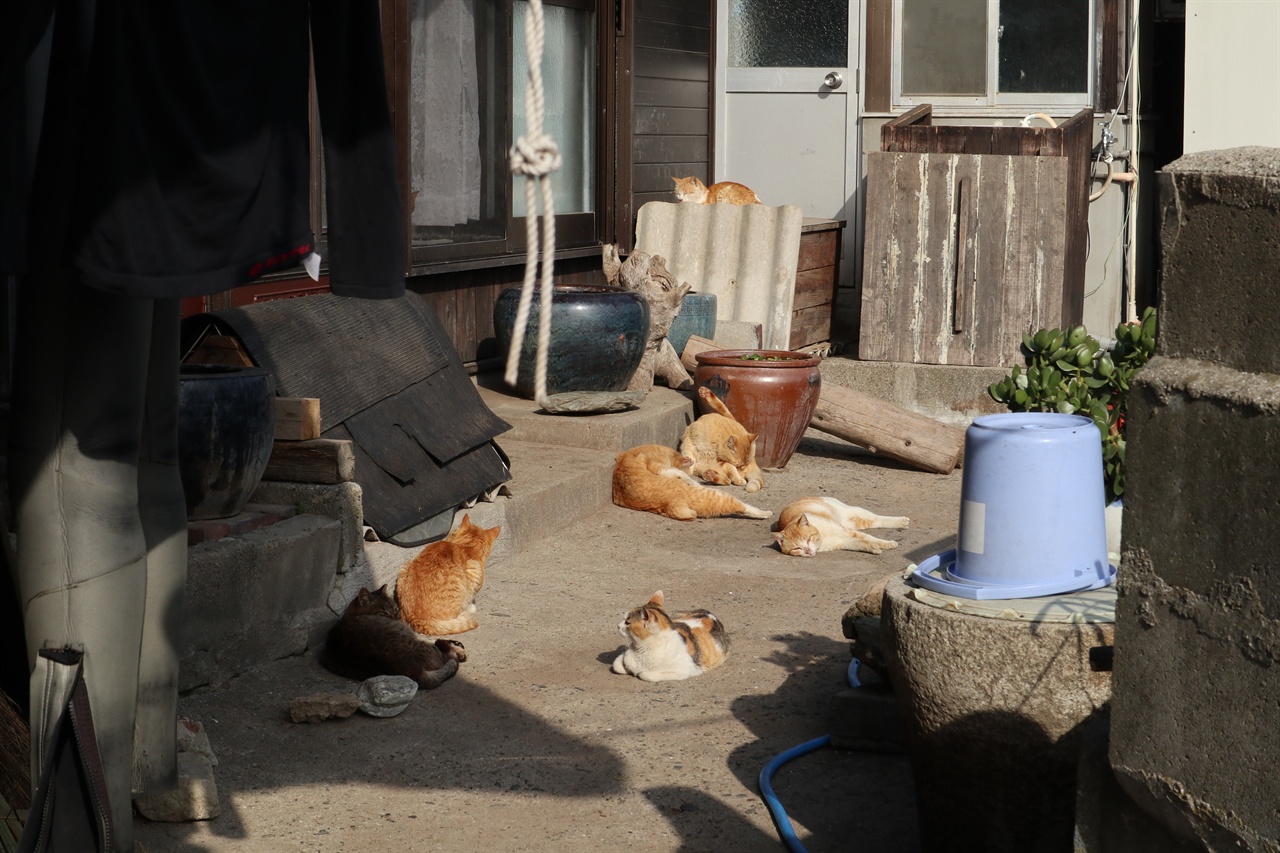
(351, 353)
(191, 134)
(388, 380)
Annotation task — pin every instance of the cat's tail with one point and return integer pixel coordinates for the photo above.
(461, 623)
(435, 677)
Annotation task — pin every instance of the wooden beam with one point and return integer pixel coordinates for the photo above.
(888, 430)
(297, 418)
(318, 460)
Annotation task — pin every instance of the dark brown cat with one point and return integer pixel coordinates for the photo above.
(370, 639)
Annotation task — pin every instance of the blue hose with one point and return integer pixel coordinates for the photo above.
(780, 818)
(779, 814)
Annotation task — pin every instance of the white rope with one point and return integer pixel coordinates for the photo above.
(535, 156)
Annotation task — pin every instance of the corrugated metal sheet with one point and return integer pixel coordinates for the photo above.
(744, 254)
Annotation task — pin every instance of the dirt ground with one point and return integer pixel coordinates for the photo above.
(537, 745)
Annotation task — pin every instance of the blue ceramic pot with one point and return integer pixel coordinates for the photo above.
(226, 426)
(598, 334)
(697, 317)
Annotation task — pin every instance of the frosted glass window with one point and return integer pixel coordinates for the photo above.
(944, 47)
(568, 81)
(788, 33)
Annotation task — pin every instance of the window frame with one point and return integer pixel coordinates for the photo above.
(576, 233)
(995, 101)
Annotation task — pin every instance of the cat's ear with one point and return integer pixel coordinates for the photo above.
(751, 436)
(676, 181)
(656, 598)
(778, 537)
(804, 519)
(466, 521)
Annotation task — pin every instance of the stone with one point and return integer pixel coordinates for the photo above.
(992, 710)
(195, 797)
(319, 707)
(192, 738)
(868, 604)
(386, 695)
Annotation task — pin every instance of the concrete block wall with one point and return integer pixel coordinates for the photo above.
(1195, 709)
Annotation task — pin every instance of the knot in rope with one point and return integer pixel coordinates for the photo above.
(535, 156)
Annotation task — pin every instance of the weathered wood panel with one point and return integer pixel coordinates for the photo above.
(670, 149)
(818, 249)
(669, 35)
(676, 11)
(671, 64)
(1008, 271)
(658, 91)
(814, 287)
(810, 326)
(671, 121)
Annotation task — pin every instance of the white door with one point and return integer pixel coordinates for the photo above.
(787, 111)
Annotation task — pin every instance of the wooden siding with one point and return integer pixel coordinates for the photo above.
(963, 254)
(672, 97)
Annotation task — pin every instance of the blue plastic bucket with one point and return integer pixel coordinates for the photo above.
(1032, 511)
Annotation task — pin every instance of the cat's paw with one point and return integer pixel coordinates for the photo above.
(754, 485)
(453, 649)
(618, 666)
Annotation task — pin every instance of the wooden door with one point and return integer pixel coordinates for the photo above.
(963, 253)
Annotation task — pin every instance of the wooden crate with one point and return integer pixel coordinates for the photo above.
(817, 274)
(974, 235)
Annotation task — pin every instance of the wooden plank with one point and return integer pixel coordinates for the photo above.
(879, 58)
(814, 287)
(672, 64)
(668, 35)
(676, 11)
(887, 429)
(936, 260)
(220, 349)
(670, 149)
(657, 91)
(818, 249)
(810, 325)
(991, 239)
(297, 418)
(656, 177)
(671, 121)
(879, 258)
(319, 460)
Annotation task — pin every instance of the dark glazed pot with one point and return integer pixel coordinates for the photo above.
(598, 335)
(226, 426)
(697, 317)
(771, 392)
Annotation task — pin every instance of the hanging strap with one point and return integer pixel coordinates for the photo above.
(535, 156)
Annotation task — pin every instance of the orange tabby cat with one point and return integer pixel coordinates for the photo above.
(810, 525)
(437, 588)
(652, 478)
(665, 646)
(694, 191)
(720, 449)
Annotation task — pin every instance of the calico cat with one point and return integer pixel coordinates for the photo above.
(810, 525)
(370, 640)
(720, 449)
(670, 647)
(692, 190)
(653, 478)
(437, 588)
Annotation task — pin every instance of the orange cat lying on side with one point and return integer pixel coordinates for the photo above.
(694, 191)
(653, 478)
(810, 525)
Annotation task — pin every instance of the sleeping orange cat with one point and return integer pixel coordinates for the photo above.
(653, 478)
(692, 190)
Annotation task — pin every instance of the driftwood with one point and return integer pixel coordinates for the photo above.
(648, 276)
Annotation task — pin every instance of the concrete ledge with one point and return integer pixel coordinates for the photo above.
(257, 597)
(952, 394)
(551, 486)
(342, 502)
(660, 419)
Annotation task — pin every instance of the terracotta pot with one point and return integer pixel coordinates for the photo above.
(598, 334)
(773, 393)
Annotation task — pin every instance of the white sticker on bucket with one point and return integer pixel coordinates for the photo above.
(973, 526)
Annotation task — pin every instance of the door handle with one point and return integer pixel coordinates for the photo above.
(833, 80)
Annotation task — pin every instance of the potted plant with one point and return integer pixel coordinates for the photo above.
(1069, 371)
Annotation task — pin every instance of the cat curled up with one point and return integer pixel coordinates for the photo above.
(370, 640)
(653, 478)
(664, 646)
(437, 588)
(810, 525)
(720, 449)
(691, 190)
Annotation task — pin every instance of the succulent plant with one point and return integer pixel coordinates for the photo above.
(1069, 371)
